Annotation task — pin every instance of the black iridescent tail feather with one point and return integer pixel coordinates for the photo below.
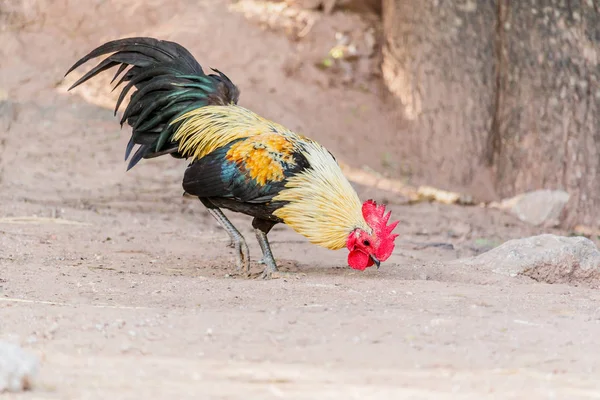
(168, 82)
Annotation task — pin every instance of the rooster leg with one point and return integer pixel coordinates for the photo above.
(239, 243)
(261, 228)
(268, 260)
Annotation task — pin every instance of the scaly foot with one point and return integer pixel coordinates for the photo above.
(267, 259)
(242, 254)
(270, 271)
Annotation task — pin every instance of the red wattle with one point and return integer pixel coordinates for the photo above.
(359, 260)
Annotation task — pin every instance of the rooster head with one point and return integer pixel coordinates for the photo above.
(367, 248)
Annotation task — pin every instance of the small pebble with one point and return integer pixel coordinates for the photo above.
(18, 368)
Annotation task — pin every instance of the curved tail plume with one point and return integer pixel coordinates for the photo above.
(168, 82)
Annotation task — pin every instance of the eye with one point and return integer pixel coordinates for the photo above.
(366, 243)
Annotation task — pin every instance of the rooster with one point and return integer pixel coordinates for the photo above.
(238, 160)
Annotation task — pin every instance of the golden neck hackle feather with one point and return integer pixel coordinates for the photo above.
(205, 129)
(321, 203)
(322, 206)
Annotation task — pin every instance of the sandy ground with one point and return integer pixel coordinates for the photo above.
(125, 289)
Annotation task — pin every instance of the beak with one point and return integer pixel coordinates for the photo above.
(375, 260)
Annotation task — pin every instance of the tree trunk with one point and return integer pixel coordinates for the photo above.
(438, 59)
(549, 136)
(508, 89)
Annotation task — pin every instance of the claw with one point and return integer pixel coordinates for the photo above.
(268, 273)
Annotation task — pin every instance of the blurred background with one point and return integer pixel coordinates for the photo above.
(476, 121)
(490, 100)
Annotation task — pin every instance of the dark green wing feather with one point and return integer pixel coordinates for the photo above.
(220, 175)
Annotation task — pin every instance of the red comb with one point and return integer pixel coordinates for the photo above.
(377, 219)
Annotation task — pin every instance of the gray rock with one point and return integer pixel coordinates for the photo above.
(540, 208)
(17, 368)
(545, 258)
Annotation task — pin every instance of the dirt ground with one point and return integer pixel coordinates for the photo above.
(125, 289)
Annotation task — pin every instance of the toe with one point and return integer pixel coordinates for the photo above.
(266, 275)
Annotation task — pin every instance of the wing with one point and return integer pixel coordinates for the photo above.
(249, 170)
